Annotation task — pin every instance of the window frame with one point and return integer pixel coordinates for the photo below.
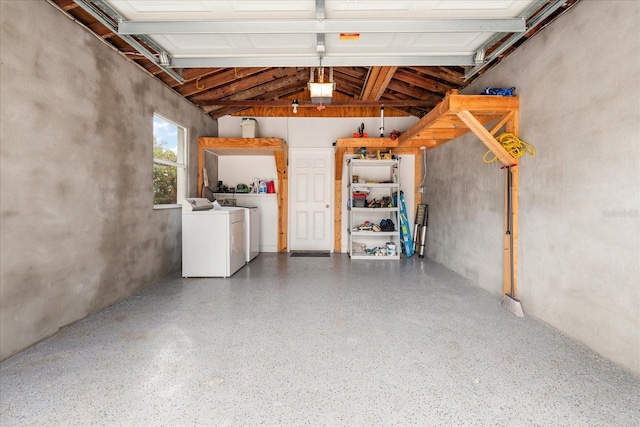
(182, 190)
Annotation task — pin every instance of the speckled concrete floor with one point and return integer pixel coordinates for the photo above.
(314, 341)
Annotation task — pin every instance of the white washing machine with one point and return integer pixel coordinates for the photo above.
(213, 240)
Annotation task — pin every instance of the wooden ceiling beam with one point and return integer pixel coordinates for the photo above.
(423, 82)
(407, 104)
(103, 32)
(189, 74)
(304, 103)
(67, 5)
(251, 84)
(447, 74)
(351, 88)
(285, 93)
(377, 82)
(369, 82)
(275, 88)
(414, 92)
(228, 76)
(349, 80)
(327, 111)
(356, 81)
(358, 73)
(220, 112)
(266, 91)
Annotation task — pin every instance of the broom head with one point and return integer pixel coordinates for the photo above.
(513, 305)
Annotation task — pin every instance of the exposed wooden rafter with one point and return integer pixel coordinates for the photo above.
(377, 83)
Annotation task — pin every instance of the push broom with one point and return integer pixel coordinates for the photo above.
(509, 301)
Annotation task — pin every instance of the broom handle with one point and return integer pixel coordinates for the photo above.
(509, 224)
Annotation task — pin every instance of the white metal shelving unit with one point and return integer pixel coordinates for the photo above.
(382, 179)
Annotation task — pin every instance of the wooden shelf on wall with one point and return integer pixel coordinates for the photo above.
(275, 147)
(243, 146)
(455, 116)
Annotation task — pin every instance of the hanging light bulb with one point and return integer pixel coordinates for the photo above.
(321, 92)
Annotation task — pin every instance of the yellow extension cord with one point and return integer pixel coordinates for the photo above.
(514, 146)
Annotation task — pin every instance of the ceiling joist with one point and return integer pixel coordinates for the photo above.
(305, 103)
(377, 83)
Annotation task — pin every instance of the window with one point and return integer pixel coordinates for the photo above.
(169, 162)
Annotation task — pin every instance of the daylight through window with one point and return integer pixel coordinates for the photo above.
(169, 162)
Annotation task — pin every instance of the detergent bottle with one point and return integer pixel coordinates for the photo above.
(262, 187)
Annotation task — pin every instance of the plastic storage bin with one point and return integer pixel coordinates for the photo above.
(249, 127)
(359, 200)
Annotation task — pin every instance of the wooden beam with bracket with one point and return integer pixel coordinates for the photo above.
(275, 147)
(487, 139)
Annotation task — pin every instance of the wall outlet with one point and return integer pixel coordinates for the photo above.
(422, 190)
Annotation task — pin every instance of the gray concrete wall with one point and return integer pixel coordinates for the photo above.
(579, 262)
(78, 230)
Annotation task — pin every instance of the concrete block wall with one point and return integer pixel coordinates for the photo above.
(579, 237)
(78, 228)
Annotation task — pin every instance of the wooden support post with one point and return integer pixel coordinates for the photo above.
(485, 136)
(514, 232)
(417, 195)
(281, 159)
(512, 127)
(199, 191)
(337, 234)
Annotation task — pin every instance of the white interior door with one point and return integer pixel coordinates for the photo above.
(311, 191)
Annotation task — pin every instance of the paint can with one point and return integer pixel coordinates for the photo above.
(391, 249)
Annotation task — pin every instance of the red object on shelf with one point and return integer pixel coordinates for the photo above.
(271, 187)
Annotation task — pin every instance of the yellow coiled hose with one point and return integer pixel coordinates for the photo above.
(514, 146)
